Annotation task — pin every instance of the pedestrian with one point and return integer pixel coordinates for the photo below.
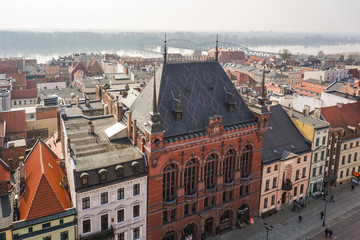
(326, 232)
(330, 233)
(352, 187)
(322, 214)
(300, 218)
(332, 198)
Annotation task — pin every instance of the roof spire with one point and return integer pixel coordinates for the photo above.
(154, 125)
(217, 48)
(262, 93)
(154, 94)
(165, 51)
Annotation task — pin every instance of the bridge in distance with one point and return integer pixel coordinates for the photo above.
(188, 44)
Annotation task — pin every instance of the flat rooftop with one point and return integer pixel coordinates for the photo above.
(93, 151)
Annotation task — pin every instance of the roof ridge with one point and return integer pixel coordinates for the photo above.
(57, 197)
(32, 200)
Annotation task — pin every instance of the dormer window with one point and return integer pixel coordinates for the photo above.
(119, 169)
(84, 178)
(135, 166)
(102, 175)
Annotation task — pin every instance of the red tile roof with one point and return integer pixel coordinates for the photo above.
(30, 84)
(54, 145)
(4, 171)
(307, 86)
(20, 79)
(24, 93)
(15, 121)
(255, 59)
(43, 195)
(346, 116)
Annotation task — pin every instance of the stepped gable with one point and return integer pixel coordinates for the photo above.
(43, 193)
(202, 87)
(282, 137)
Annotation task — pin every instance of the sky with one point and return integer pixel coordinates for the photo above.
(319, 16)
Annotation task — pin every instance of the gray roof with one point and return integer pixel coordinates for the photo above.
(282, 138)
(309, 119)
(97, 151)
(6, 211)
(94, 106)
(203, 88)
(91, 82)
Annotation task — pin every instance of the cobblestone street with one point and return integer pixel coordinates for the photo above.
(286, 226)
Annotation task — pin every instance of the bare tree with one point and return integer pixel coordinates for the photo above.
(285, 54)
(321, 54)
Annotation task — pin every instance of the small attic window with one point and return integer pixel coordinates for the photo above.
(135, 166)
(102, 175)
(119, 169)
(84, 178)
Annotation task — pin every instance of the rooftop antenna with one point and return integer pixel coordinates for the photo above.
(165, 51)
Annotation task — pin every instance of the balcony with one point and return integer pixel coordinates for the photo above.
(210, 191)
(287, 185)
(170, 204)
(229, 185)
(191, 198)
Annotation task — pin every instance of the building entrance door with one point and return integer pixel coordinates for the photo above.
(283, 198)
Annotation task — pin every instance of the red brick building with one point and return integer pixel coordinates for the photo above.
(204, 150)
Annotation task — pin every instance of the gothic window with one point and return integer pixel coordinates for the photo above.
(190, 177)
(229, 166)
(169, 182)
(245, 158)
(210, 171)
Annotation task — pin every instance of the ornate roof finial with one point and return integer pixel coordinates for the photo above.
(217, 48)
(262, 93)
(165, 51)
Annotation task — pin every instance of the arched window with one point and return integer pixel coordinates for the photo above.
(169, 236)
(190, 177)
(84, 178)
(225, 217)
(245, 158)
(229, 165)
(169, 182)
(210, 171)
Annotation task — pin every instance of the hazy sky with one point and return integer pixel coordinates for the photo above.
(182, 15)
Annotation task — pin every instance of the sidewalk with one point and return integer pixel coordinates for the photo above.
(285, 222)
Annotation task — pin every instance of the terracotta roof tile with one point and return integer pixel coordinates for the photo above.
(346, 116)
(4, 171)
(15, 121)
(43, 193)
(24, 93)
(20, 79)
(312, 87)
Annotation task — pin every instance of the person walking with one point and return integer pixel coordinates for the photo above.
(332, 198)
(321, 215)
(330, 233)
(326, 232)
(352, 187)
(300, 218)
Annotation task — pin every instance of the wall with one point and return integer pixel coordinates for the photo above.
(55, 234)
(16, 103)
(51, 85)
(352, 165)
(96, 209)
(291, 165)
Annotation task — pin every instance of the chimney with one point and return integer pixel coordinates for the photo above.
(134, 132)
(129, 123)
(120, 112)
(91, 128)
(77, 100)
(22, 174)
(87, 102)
(339, 104)
(306, 109)
(317, 113)
(291, 112)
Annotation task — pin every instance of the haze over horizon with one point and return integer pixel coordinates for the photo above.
(321, 16)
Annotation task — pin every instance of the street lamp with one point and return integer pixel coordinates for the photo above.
(326, 201)
(268, 228)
